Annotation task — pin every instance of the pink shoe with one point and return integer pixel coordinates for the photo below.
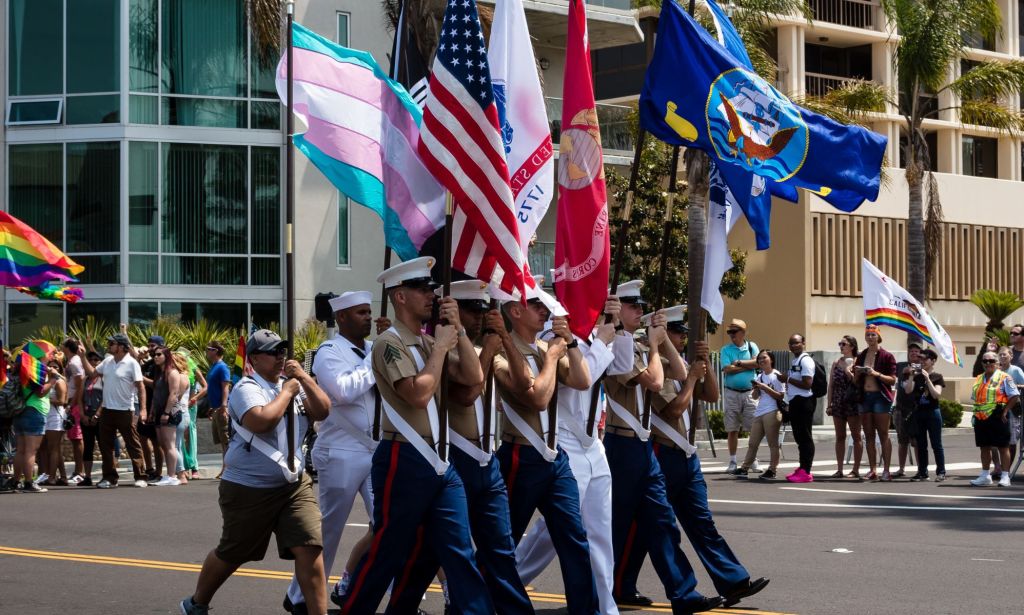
(794, 473)
(800, 476)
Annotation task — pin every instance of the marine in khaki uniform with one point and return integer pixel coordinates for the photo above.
(537, 472)
(641, 515)
(684, 483)
(471, 455)
(418, 496)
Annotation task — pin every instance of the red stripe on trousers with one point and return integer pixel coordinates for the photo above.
(630, 537)
(413, 556)
(513, 470)
(375, 545)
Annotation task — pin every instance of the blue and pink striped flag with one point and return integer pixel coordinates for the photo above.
(362, 133)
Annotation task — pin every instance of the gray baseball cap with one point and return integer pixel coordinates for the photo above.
(120, 338)
(263, 340)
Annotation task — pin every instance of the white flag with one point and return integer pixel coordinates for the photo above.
(887, 303)
(523, 116)
(724, 214)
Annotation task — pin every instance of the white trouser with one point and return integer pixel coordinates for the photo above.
(536, 551)
(341, 475)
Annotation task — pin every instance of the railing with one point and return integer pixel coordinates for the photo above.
(624, 5)
(542, 259)
(853, 13)
(612, 119)
(817, 84)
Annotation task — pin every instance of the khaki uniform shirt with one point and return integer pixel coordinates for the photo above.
(621, 388)
(392, 361)
(669, 391)
(530, 415)
(462, 419)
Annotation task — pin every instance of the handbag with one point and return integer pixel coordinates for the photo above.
(783, 410)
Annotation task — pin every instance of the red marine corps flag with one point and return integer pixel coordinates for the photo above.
(582, 251)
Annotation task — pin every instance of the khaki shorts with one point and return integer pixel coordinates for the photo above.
(219, 425)
(739, 409)
(251, 515)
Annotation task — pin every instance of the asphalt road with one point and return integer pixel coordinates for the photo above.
(834, 546)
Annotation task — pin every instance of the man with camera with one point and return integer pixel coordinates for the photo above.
(922, 386)
(261, 492)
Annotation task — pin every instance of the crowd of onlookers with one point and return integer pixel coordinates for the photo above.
(868, 394)
(140, 400)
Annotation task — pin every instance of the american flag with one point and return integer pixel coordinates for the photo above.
(461, 144)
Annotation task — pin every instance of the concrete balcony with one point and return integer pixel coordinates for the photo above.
(609, 22)
(865, 14)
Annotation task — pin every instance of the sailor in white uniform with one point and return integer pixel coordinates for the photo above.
(588, 462)
(344, 446)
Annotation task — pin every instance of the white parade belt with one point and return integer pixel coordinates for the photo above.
(535, 440)
(274, 454)
(468, 446)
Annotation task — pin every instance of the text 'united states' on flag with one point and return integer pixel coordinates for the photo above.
(461, 145)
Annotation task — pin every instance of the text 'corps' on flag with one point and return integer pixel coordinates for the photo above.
(582, 249)
(461, 145)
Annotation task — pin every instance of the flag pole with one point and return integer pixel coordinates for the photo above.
(290, 227)
(377, 407)
(446, 290)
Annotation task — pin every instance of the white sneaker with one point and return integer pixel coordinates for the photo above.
(168, 481)
(983, 480)
(105, 484)
(756, 467)
(155, 480)
(141, 484)
(77, 478)
(41, 478)
(732, 468)
(1004, 479)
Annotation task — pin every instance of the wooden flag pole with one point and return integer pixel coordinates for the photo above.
(446, 290)
(485, 444)
(290, 226)
(377, 401)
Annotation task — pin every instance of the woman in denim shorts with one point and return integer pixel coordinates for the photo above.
(29, 429)
(875, 374)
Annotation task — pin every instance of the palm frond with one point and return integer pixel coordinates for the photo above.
(857, 97)
(993, 115)
(996, 306)
(990, 80)
(265, 25)
(932, 228)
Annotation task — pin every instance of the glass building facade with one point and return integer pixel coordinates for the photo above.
(143, 137)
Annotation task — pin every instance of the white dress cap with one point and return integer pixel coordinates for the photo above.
(349, 299)
(415, 270)
(629, 292)
(467, 290)
(676, 313)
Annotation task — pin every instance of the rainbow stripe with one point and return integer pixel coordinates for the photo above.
(32, 363)
(29, 259)
(904, 321)
(55, 292)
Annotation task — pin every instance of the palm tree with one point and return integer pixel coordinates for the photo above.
(996, 306)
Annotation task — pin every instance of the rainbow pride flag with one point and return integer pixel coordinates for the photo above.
(889, 304)
(32, 363)
(53, 292)
(28, 259)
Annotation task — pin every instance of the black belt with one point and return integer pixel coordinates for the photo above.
(739, 390)
(397, 437)
(515, 440)
(620, 431)
(660, 441)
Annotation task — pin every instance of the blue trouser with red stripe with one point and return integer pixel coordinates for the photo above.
(413, 504)
(536, 484)
(492, 534)
(639, 501)
(688, 495)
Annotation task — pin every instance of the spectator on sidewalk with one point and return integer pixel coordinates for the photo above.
(843, 406)
(798, 379)
(122, 390)
(768, 392)
(29, 428)
(92, 402)
(151, 450)
(187, 446)
(989, 345)
(875, 374)
(55, 427)
(738, 359)
(170, 396)
(923, 387)
(1017, 345)
(74, 373)
(994, 394)
(218, 386)
(1017, 374)
(903, 405)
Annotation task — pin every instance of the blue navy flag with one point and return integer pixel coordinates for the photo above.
(742, 121)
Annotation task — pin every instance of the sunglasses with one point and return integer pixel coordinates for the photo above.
(277, 352)
(842, 344)
(1014, 332)
(989, 361)
(733, 331)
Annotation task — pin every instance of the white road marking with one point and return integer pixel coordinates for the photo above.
(869, 506)
(982, 559)
(830, 466)
(906, 495)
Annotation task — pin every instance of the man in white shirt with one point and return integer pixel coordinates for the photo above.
(802, 402)
(344, 446)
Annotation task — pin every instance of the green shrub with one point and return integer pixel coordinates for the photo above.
(952, 412)
(716, 419)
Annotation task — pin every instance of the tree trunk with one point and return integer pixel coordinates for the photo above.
(697, 169)
(916, 263)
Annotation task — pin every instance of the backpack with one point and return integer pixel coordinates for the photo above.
(12, 401)
(819, 384)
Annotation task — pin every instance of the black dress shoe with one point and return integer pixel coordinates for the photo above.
(635, 599)
(743, 590)
(689, 608)
(297, 608)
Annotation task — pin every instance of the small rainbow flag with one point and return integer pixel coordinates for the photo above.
(31, 363)
(56, 292)
(28, 259)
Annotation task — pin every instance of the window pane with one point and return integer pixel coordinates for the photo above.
(143, 269)
(144, 109)
(36, 188)
(93, 109)
(142, 196)
(343, 203)
(266, 115)
(266, 272)
(99, 268)
(35, 47)
(142, 45)
(224, 314)
(94, 196)
(208, 112)
(204, 47)
(142, 312)
(93, 42)
(265, 314)
(204, 200)
(108, 313)
(266, 200)
(264, 75)
(47, 111)
(343, 29)
(205, 270)
(27, 318)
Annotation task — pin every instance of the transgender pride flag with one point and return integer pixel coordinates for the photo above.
(362, 133)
